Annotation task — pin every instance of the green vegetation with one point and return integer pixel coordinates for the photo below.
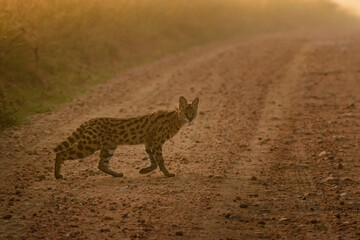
(52, 50)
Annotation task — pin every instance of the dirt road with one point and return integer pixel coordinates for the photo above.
(273, 154)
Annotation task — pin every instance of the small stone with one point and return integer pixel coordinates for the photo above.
(253, 178)
(7, 216)
(340, 166)
(244, 205)
(184, 160)
(261, 223)
(343, 195)
(323, 153)
(105, 230)
(329, 179)
(283, 219)
(41, 177)
(228, 215)
(179, 233)
(313, 221)
(108, 218)
(144, 158)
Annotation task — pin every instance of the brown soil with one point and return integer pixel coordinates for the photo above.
(273, 154)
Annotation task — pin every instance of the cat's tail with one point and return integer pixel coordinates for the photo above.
(73, 138)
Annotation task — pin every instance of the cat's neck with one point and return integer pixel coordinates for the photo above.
(178, 122)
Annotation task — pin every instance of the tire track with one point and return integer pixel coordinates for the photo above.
(259, 156)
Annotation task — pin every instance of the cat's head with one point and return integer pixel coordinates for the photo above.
(188, 111)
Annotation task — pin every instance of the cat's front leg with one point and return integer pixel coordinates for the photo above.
(153, 165)
(160, 160)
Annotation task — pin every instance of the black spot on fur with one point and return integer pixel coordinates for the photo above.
(65, 144)
(58, 148)
(89, 149)
(146, 120)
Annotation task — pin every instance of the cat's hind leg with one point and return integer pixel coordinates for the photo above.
(153, 165)
(75, 152)
(105, 156)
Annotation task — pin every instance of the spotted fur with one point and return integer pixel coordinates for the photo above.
(105, 134)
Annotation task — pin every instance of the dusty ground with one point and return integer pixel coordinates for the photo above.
(273, 154)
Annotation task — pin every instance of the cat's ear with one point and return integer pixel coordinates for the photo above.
(182, 103)
(195, 102)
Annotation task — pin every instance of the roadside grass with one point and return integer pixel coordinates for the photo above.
(53, 50)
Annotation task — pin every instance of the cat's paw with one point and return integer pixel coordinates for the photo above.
(147, 170)
(170, 175)
(58, 176)
(117, 174)
(144, 171)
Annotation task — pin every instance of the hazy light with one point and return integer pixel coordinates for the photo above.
(352, 5)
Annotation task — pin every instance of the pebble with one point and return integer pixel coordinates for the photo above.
(313, 221)
(323, 153)
(253, 178)
(184, 160)
(329, 179)
(7, 216)
(340, 166)
(41, 177)
(343, 194)
(244, 205)
(179, 233)
(283, 219)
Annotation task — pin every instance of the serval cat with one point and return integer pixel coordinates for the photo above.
(105, 134)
